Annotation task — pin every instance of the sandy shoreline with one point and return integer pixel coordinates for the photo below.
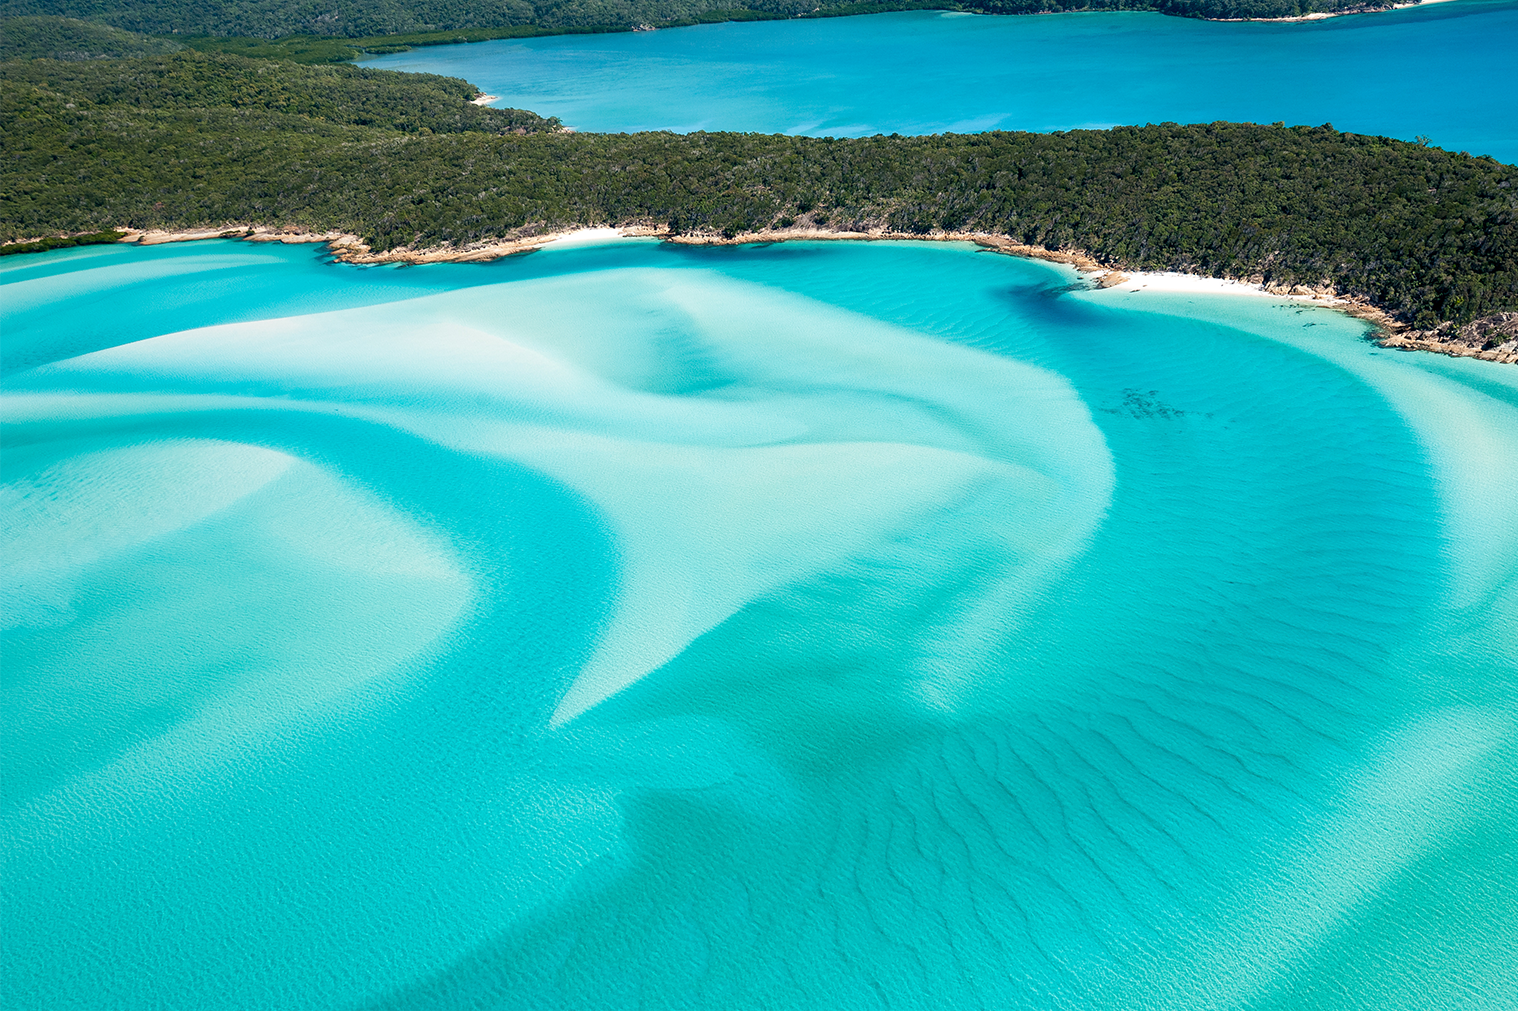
(351, 249)
(1324, 15)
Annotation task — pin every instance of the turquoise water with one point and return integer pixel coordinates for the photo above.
(1443, 71)
(812, 625)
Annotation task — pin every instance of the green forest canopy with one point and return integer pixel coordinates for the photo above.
(194, 139)
(473, 19)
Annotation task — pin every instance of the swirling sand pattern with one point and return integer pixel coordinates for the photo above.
(814, 625)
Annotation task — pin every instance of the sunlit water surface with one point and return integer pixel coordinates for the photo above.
(1441, 71)
(816, 625)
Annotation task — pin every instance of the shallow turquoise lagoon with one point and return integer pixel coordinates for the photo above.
(812, 625)
(1443, 71)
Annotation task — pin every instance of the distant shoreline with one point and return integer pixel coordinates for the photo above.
(1323, 16)
(351, 249)
(302, 47)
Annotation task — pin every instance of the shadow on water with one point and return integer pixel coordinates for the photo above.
(1153, 732)
(1042, 827)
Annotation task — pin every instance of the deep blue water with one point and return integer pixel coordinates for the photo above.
(812, 625)
(1442, 71)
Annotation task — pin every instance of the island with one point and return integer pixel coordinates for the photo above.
(393, 166)
(345, 29)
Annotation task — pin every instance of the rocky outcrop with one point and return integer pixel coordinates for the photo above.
(1494, 338)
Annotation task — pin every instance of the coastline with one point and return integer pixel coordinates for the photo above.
(1389, 332)
(1325, 15)
(408, 41)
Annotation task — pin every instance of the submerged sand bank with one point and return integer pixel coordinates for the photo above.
(1466, 342)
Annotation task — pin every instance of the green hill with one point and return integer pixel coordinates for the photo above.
(68, 39)
(365, 19)
(194, 139)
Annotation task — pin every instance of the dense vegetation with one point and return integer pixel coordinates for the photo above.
(194, 139)
(64, 39)
(365, 19)
(335, 94)
(53, 242)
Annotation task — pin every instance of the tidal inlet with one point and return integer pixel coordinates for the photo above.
(814, 623)
(563, 574)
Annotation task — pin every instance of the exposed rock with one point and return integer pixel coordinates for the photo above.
(1494, 338)
(1491, 331)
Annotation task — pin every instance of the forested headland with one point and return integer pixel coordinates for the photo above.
(335, 30)
(191, 139)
